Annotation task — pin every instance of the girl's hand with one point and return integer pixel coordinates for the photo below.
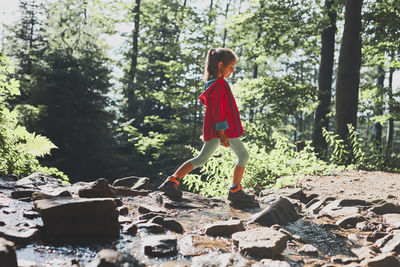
(224, 141)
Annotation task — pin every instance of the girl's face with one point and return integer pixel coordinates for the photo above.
(227, 70)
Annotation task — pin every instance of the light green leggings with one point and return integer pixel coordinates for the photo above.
(210, 146)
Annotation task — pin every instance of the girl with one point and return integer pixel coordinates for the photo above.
(221, 125)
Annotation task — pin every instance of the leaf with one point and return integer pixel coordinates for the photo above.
(38, 145)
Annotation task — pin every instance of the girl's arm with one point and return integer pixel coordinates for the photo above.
(222, 138)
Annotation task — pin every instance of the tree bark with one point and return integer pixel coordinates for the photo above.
(132, 108)
(226, 16)
(377, 127)
(348, 77)
(325, 79)
(390, 129)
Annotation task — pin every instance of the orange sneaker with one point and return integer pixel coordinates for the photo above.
(170, 187)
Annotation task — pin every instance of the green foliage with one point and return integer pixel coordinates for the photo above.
(262, 170)
(19, 149)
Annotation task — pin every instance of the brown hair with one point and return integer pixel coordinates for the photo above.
(214, 56)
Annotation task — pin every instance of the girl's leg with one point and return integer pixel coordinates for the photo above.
(242, 158)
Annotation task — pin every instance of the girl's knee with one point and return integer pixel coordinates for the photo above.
(244, 157)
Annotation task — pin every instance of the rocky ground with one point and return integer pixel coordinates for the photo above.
(348, 218)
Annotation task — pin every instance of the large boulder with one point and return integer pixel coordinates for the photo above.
(260, 242)
(280, 212)
(70, 219)
(113, 258)
(8, 257)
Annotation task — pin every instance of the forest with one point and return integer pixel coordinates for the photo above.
(101, 88)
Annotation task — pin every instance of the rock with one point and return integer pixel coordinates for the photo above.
(123, 210)
(389, 243)
(344, 259)
(224, 228)
(386, 259)
(8, 257)
(364, 252)
(194, 245)
(366, 226)
(317, 206)
(39, 180)
(133, 182)
(280, 212)
(392, 219)
(220, 260)
(125, 191)
(70, 219)
(97, 189)
(151, 228)
(22, 194)
(260, 242)
(130, 229)
(342, 207)
(187, 201)
(375, 236)
(19, 235)
(41, 195)
(385, 208)
(294, 193)
(168, 224)
(112, 258)
(308, 249)
(31, 214)
(350, 221)
(151, 215)
(160, 246)
(143, 209)
(273, 263)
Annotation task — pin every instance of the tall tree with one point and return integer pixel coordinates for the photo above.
(325, 77)
(348, 77)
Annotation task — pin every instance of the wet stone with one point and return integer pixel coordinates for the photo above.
(31, 214)
(22, 194)
(130, 229)
(385, 259)
(308, 250)
(8, 256)
(350, 221)
(151, 228)
(280, 212)
(187, 201)
(260, 242)
(143, 209)
(19, 235)
(194, 245)
(168, 224)
(375, 236)
(220, 260)
(123, 210)
(343, 259)
(160, 246)
(97, 189)
(113, 258)
(385, 208)
(224, 228)
(150, 215)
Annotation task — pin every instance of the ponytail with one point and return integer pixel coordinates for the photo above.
(214, 56)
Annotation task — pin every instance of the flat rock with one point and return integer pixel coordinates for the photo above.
(280, 212)
(308, 249)
(272, 263)
(113, 258)
(385, 259)
(168, 224)
(70, 219)
(392, 219)
(294, 193)
(151, 228)
(97, 189)
(130, 229)
(187, 201)
(194, 245)
(125, 191)
(22, 193)
(350, 221)
(56, 193)
(260, 242)
(224, 228)
(244, 205)
(160, 246)
(39, 180)
(342, 207)
(19, 235)
(315, 207)
(133, 182)
(143, 209)
(385, 208)
(8, 257)
(220, 260)
(390, 242)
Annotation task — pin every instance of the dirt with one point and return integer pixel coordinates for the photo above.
(354, 184)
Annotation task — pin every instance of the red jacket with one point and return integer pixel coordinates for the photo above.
(221, 111)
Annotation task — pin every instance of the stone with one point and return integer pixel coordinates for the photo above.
(317, 206)
(113, 258)
(168, 224)
(37, 180)
(385, 208)
(224, 228)
(70, 219)
(31, 214)
(125, 191)
(308, 249)
(280, 212)
(41, 195)
(244, 205)
(123, 210)
(372, 237)
(19, 235)
(392, 219)
(194, 245)
(366, 226)
(130, 229)
(220, 260)
(97, 189)
(8, 256)
(389, 243)
(364, 252)
(385, 259)
(22, 194)
(187, 201)
(160, 246)
(344, 259)
(151, 215)
(143, 209)
(273, 263)
(133, 182)
(350, 221)
(260, 242)
(341, 207)
(151, 228)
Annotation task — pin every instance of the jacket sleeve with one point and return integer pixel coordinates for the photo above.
(218, 107)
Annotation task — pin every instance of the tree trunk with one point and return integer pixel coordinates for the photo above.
(348, 77)
(377, 127)
(132, 108)
(325, 79)
(226, 16)
(390, 130)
